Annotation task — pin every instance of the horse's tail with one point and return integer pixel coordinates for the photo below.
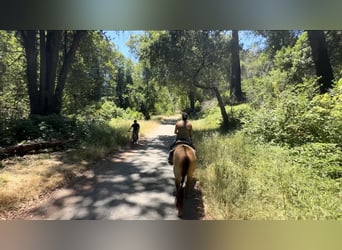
(180, 191)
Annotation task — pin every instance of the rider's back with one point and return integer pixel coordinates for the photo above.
(183, 129)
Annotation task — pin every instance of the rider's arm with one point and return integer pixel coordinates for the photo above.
(176, 129)
(190, 131)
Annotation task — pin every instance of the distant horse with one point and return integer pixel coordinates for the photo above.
(184, 164)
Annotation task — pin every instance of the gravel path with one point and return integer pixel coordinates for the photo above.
(135, 184)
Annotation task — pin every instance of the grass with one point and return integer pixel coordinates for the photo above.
(108, 138)
(25, 179)
(245, 180)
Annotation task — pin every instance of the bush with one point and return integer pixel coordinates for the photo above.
(38, 128)
(298, 116)
(325, 159)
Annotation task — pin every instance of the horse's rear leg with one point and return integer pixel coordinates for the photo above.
(187, 187)
(180, 201)
(177, 183)
(180, 213)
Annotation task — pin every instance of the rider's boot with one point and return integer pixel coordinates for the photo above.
(170, 159)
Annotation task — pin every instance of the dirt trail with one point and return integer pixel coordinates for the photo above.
(135, 184)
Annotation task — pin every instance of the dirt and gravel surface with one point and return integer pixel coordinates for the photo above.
(134, 184)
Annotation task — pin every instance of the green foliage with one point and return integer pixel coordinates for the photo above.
(334, 41)
(108, 110)
(244, 180)
(291, 66)
(38, 128)
(211, 116)
(99, 138)
(94, 73)
(95, 138)
(286, 161)
(191, 61)
(277, 39)
(13, 92)
(325, 159)
(298, 116)
(167, 102)
(296, 62)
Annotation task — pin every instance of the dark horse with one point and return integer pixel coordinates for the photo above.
(184, 164)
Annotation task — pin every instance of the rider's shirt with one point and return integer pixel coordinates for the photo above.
(135, 127)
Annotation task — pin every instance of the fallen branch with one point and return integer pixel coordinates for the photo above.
(23, 149)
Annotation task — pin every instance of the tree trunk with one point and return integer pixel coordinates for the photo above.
(53, 43)
(321, 59)
(49, 54)
(222, 108)
(192, 100)
(23, 149)
(236, 95)
(65, 69)
(29, 41)
(47, 99)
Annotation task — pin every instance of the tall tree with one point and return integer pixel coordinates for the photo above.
(14, 102)
(321, 59)
(46, 77)
(277, 39)
(121, 88)
(93, 76)
(192, 60)
(236, 95)
(334, 42)
(172, 63)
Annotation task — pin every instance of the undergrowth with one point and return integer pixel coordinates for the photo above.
(244, 178)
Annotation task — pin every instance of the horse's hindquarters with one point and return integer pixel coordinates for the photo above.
(181, 152)
(184, 165)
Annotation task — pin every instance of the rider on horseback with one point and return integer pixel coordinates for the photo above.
(183, 131)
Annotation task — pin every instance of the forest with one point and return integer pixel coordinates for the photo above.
(267, 117)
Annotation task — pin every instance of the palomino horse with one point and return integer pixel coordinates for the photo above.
(184, 164)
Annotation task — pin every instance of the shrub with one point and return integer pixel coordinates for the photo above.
(298, 116)
(325, 159)
(38, 128)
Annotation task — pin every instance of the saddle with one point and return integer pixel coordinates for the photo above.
(179, 142)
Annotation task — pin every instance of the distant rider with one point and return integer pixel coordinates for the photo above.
(136, 128)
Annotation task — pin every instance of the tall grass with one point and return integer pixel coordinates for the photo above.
(102, 138)
(245, 180)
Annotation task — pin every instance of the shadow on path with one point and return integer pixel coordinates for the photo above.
(135, 184)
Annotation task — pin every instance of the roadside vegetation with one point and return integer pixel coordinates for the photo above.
(25, 180)
(270, 168)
